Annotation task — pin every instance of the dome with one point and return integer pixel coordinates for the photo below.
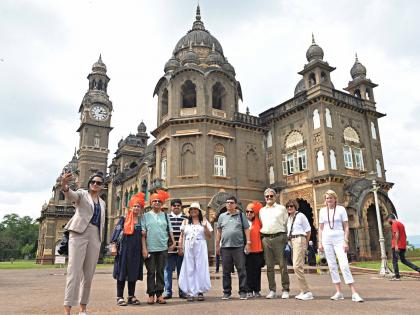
(228, 67)
(314, 52)
(358, 70)
(214, 58)
(172, 64)
(300, 87)
(99, 66)
(190, 57)
(141, 128)
(199, 36)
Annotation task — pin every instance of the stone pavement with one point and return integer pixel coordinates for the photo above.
(40, 291)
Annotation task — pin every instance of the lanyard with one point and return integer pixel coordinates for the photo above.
(293, 222)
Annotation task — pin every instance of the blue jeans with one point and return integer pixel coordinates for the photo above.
(174, 260)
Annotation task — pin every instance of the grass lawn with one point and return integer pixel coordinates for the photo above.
(30, 264)
(377, 264)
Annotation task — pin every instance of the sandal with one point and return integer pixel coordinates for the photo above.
(121, 302)
(133, 300)
(160, 300)
(190, 298)
(200, 297)
(151, 300)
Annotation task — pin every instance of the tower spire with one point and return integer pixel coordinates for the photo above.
(198, 14)
(100, 58)
(313, 39)
(198, 24)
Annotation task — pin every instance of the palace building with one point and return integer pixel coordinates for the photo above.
(204, 148)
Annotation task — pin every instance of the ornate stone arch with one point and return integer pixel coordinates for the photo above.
(350, 134)
(293, 139)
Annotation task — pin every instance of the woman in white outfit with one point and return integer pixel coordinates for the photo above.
(194, 278)
(334, 239)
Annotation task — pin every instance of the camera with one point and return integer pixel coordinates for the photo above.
(66, 170)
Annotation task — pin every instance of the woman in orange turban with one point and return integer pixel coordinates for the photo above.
(255, 258)
(128, 264)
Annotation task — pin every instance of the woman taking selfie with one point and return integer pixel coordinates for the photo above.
(128, 264)
(334, 240)
(86, 229)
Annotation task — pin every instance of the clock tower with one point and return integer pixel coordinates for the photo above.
(95, 124)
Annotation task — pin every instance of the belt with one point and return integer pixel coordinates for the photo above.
(296, 236)
(272, 235)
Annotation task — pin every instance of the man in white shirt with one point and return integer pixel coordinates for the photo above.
(274, 238)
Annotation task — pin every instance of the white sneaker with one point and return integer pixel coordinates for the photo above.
(249, 295)
(356, 297)
(257, 294)
(337, 296)
(299, 295)
(306, 296)
(82, 313)
(271, 295)
(285, 295)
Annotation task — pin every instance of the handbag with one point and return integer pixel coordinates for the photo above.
(114, 248)
(167, 231)
(63, 248)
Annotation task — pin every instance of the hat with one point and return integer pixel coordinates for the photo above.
(135, 199)
(176, 201)
(160, 195)
(195, 205)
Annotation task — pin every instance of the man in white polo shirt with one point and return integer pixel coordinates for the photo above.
(274, 238)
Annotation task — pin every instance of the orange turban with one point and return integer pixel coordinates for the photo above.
(256, 206)
(161, 195)
(135, 199)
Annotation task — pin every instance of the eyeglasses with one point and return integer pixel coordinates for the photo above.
(269, 196)
(176, 206)
(290, 206)
(95, 182)
(230, 202)
(249, 211)
(157, 201)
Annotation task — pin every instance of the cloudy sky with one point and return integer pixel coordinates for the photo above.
(47, 49)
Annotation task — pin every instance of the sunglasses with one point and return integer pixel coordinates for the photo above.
(290, 206)
(269, 196)
(249, 211)
(95, 182)
(176, 206)
(157, 201)
(230, 202)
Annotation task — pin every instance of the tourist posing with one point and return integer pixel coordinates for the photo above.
(399, 246)
(128, 263)
(86, 229)
(174, 256)
(194, 279)
(333, 240)
(274, 238)
(299, 232)
(254, 260)
(155, 247)
(232, 239)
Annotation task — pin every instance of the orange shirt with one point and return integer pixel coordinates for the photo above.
(255, 235)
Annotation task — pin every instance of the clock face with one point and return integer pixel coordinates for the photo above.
(99, 112)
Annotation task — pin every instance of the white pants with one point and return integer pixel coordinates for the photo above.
(333, 247)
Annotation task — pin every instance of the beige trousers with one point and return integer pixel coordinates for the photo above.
(299, 247)
(83, 256)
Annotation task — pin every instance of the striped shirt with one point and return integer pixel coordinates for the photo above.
(176, 221)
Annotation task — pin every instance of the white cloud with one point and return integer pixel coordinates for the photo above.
(48, 48)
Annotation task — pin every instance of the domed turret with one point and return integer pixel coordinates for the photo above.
(228, 67)
(172, 64)
(190, 57)
(314, 52)
(99, 66)
(300, 87)
(142, 127)
(214, 58)
(358, 70)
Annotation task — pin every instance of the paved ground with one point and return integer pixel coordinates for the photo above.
(40, 291)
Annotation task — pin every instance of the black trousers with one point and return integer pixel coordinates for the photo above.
(233, 256)
(121, 285)
(401, 255)
(254, 262)
(155, 266)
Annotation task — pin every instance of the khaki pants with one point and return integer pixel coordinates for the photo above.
(299, 247)
(83, 257)
(274, 254)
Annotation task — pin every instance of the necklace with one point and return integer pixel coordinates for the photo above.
(329, 223)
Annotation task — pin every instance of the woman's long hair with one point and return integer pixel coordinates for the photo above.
(200, 218)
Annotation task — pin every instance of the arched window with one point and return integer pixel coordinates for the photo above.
(294, 138)
(357, 93)
(100, 85)
(328, 119)
(252, 162)
(187, 159)
(351, 135)
(165, 102)
(269, 139)
(317, 121)
(96, 140)
(163, 164)
(323, 77)
(373, 129)
(61, 196)
(218, 95)
(144, 188)
(219, 160)
(320, 160)
(118, 203)
(358, 159)
(271, 175)
(368, 94)
(333, 160)
(312, 79)
(189, 95)
(378, 168)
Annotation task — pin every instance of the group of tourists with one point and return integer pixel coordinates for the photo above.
(163, 242)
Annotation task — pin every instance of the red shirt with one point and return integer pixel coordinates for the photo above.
(402, 239)
(255, 235)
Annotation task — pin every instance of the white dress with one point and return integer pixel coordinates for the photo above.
(194, 277)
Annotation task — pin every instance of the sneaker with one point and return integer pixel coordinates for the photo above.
(257, 294)
(285, 295)
(337, 296)
(271, 295)
(395, 279)
(243, 296)
(356, 297)
(306, 296)
(299, 296)
(82, 313)
(249, 295)
(226, 296)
